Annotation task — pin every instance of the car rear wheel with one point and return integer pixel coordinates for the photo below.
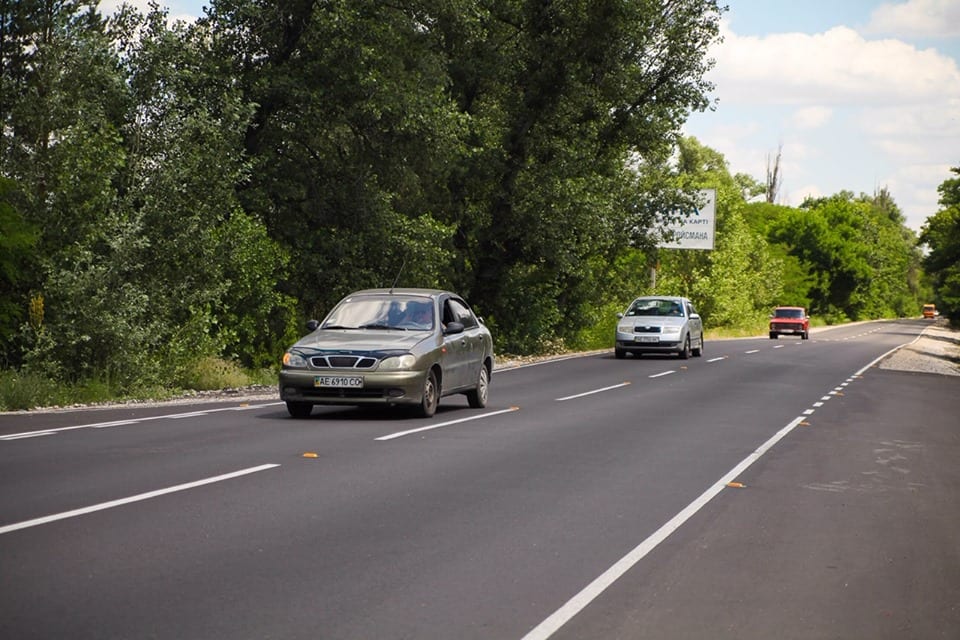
(431, 396)
(299, 409)
(477, 398)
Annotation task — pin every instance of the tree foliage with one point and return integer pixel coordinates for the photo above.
(941, 235)
(173, 192)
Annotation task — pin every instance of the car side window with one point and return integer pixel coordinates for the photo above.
(457, 312)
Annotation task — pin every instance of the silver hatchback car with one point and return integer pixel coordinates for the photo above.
(390, 347)
(659, 324)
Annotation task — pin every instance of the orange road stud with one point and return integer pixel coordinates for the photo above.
(804, 424)
(310, 454)
(736, 485)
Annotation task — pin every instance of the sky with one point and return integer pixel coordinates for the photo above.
(855, 95)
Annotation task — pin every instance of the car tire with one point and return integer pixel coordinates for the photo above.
(685, 352)
(699, 350)
(477, 398)
(805, 335)
(299, 409)
(619, 354)
(773, 336)
(430, 398)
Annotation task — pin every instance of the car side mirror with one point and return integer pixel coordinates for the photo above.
(452, 328)
(619, 314)
(312, 325)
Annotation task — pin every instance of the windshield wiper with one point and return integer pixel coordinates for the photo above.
(381, 326)
(336, 326)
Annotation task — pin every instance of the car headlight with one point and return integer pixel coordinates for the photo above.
(398, 363)
(294, 360)
(672, 330)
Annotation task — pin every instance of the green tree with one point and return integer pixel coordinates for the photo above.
(862, 260)
(941, 235)
(351, 142)
(17, 240)
(572, 131)
(735, 284)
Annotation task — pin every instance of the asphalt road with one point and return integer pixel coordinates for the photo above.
(770, 489)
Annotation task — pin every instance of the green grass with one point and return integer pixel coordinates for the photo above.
(21, 391)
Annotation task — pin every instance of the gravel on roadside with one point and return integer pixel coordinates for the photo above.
(936, 350)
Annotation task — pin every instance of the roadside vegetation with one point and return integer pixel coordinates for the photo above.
(177, 200)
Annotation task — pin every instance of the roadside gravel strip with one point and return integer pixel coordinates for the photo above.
(936, 350)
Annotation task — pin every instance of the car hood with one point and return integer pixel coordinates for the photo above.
(651, 321)
(353, 340)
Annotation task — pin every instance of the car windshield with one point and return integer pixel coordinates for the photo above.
(384, 312)
(788, 313)
(655, 307)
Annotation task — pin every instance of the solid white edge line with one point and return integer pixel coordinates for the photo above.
(589, 593)
(577, 603)
(400, 434)
(120, 423)
(590, 393)
(32, 434)
(137, 498)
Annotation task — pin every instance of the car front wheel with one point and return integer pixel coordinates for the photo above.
(477, 398)
(699, 350)
(685, 353)
(431, 396)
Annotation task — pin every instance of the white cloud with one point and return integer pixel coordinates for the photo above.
(811, 117)
(795, 197)
(837, 67)
(931, 18)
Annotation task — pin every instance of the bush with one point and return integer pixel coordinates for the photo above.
(213, 373)
(20, 391)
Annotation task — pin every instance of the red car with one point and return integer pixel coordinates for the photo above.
(790, 320)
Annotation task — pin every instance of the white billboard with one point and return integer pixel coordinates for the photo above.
(696, 228)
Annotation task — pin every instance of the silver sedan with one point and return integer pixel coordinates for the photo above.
(659, 324)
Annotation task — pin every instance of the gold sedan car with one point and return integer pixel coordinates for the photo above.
(390, 347)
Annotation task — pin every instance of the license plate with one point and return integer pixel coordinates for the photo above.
(647, 338)
(349, 382)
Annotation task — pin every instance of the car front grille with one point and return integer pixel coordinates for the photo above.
(646, 329)
(786, 326)
(343, 362)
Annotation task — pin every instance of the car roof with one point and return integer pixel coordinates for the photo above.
(789, 307)
(436, 294)
(675, 298)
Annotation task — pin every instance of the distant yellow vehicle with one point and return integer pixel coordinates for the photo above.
(929, 311)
